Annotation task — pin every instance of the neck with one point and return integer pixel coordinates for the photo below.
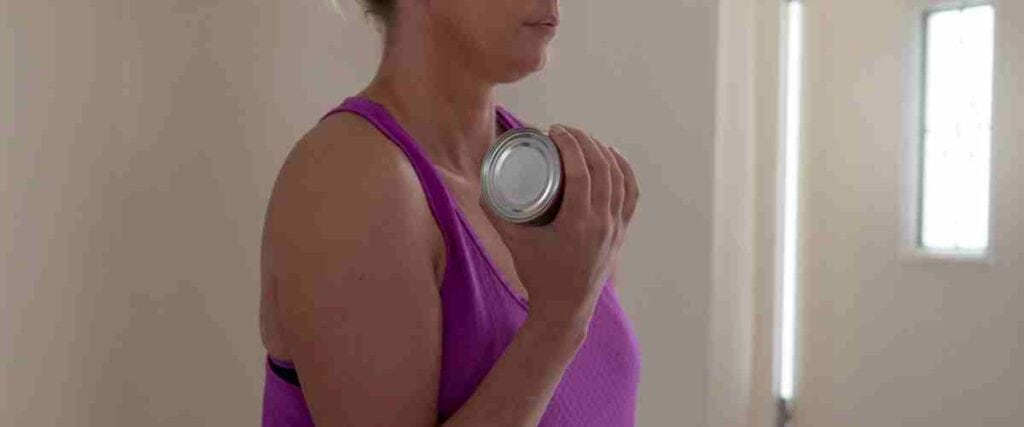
(438, 100)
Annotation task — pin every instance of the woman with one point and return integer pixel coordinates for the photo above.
(392, 297)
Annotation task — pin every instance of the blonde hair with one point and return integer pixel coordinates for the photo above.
(379, 9)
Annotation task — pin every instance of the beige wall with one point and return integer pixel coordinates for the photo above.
(141, 143)
(731, 315)
(888, 338)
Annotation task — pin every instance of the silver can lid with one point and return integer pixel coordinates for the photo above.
(521, 176)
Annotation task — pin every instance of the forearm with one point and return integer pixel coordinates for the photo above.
(518, 388)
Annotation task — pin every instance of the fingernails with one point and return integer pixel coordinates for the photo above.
(557, 130)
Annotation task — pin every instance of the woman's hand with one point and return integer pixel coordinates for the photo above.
(563, 265)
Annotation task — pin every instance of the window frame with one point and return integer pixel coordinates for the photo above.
(916, 250)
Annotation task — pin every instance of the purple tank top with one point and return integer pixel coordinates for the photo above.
(482, 314)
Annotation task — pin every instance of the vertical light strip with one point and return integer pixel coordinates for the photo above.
(957, 130)
(794, 91)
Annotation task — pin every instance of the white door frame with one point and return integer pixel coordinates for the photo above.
(742, 374)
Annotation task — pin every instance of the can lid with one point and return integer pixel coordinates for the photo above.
(521, 175)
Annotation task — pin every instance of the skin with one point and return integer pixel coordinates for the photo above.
(363, 329)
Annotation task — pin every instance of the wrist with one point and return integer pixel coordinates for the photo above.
(566, 327)
(563, 313)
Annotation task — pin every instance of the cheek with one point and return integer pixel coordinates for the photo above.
(492, 40)
(515, 57)
(497, 45)
(491, 31)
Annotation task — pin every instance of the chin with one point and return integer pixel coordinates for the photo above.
(522, 67)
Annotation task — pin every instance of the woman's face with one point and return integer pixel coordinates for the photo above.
(501, 40)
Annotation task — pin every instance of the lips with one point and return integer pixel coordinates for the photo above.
(551, 21)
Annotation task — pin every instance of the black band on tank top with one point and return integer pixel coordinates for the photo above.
(289, 375)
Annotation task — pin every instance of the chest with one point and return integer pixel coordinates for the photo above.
(467, 196)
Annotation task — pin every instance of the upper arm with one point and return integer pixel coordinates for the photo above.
(353, 245)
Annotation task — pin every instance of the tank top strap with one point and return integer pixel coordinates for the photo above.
(507, 120)
(441, 202)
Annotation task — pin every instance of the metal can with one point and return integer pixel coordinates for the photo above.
(522, 177)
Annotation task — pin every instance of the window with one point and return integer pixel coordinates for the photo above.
(957, 130)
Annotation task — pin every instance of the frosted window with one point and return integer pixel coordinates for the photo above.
(957, 130)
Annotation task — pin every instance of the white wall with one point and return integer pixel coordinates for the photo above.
(890, 340)
(141, 143)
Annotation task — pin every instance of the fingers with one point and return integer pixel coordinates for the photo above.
(597, 166)
(616, 194)
(632, 190)
(618, 190)
(576, 188)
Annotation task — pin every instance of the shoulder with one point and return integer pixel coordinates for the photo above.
(346, 146)
(345, 187)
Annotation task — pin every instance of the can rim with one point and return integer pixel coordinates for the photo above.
(548, 150)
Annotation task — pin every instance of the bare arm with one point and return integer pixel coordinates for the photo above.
(354, 246)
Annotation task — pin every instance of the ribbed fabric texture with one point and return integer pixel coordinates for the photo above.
(482, 314)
